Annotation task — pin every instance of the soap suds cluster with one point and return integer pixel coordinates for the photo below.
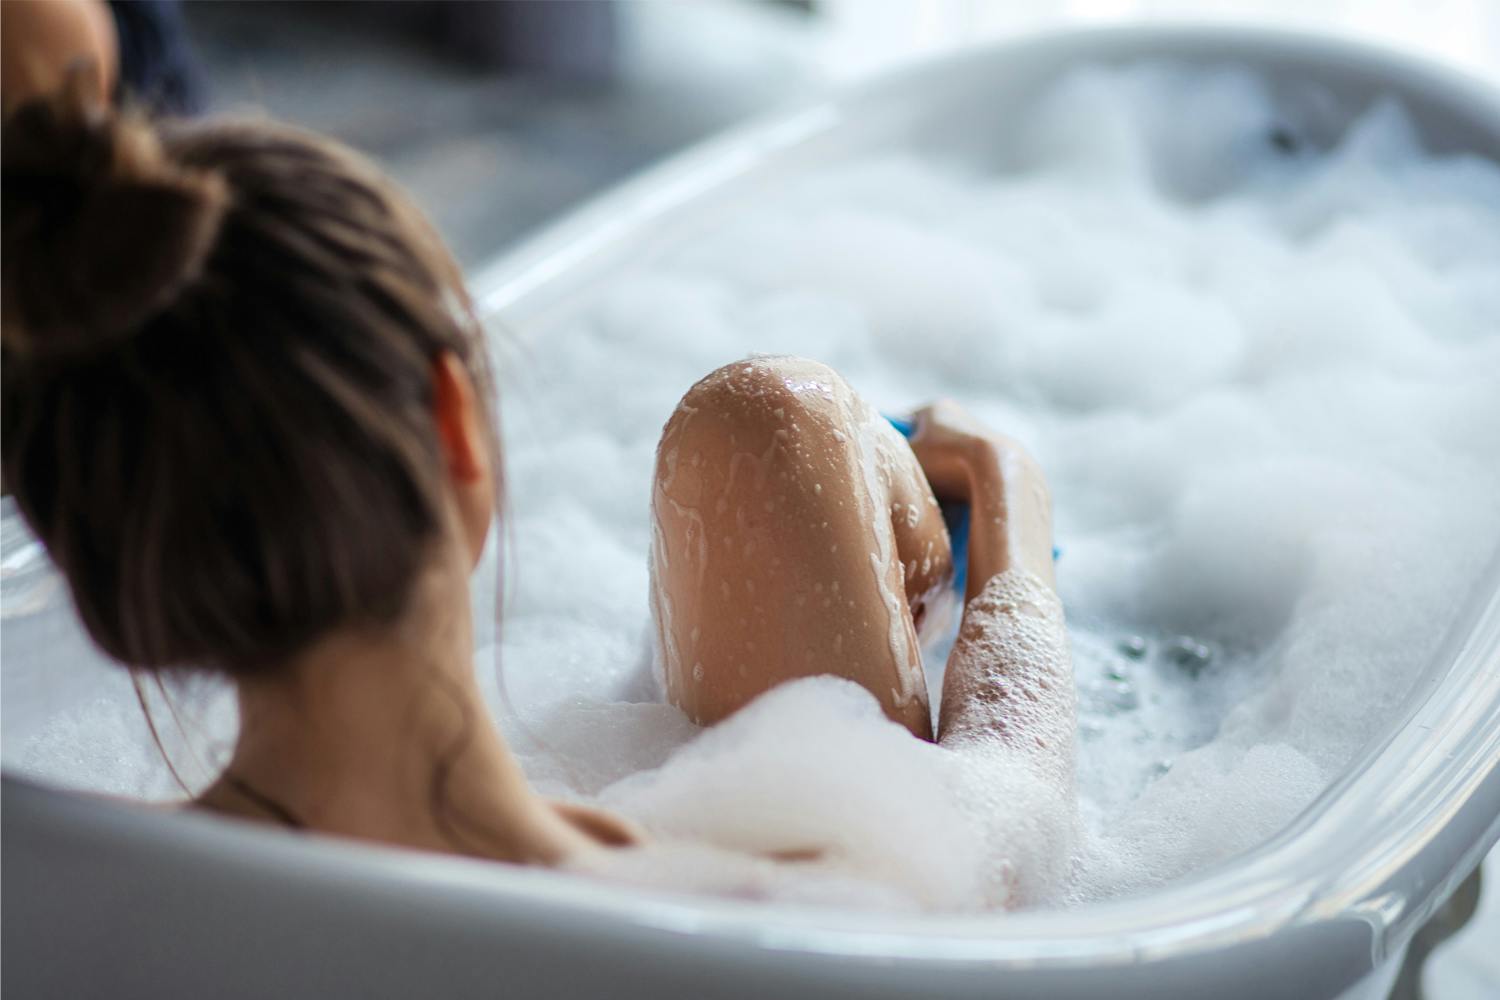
(1260, 366)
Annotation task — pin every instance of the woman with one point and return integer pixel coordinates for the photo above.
(247, 409)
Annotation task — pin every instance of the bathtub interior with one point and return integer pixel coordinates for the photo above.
(66, 725)
(806, 256)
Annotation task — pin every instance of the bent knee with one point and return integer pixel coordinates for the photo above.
(761, 417)
(761, 400)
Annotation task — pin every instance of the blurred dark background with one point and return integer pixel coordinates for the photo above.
(500, 115)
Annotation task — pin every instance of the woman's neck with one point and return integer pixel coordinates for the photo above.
(384, 736)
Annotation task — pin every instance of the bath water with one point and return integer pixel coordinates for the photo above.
(1260, 367)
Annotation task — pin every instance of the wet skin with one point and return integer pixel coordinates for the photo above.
(796, 533)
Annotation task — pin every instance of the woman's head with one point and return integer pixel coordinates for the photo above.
(245, 395)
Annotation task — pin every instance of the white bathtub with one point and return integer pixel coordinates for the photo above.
(120, 901)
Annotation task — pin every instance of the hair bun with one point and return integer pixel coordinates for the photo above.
(101, 230)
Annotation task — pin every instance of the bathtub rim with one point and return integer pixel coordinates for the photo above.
(519, 289)
(1384, 883)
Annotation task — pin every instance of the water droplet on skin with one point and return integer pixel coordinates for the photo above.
(698, 672)
(817, 487)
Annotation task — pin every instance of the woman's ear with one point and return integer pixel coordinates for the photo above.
(463, 434)
(453, 409)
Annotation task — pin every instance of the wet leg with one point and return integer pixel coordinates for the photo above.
(794, 535)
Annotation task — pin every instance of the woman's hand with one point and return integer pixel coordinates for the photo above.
(1010, 506)
(950, 444)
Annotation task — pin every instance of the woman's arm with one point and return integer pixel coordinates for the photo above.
(1009, 676)
(1010, 508)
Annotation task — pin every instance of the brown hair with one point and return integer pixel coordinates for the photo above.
(218, 343)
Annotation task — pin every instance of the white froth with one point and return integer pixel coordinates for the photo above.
(1010, 677)
(1260, 366)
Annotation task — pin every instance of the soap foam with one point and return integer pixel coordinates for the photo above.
(1260, 366)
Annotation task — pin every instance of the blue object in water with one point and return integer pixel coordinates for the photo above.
(956, 517)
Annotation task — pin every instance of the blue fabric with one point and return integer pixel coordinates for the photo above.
(158, 68)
